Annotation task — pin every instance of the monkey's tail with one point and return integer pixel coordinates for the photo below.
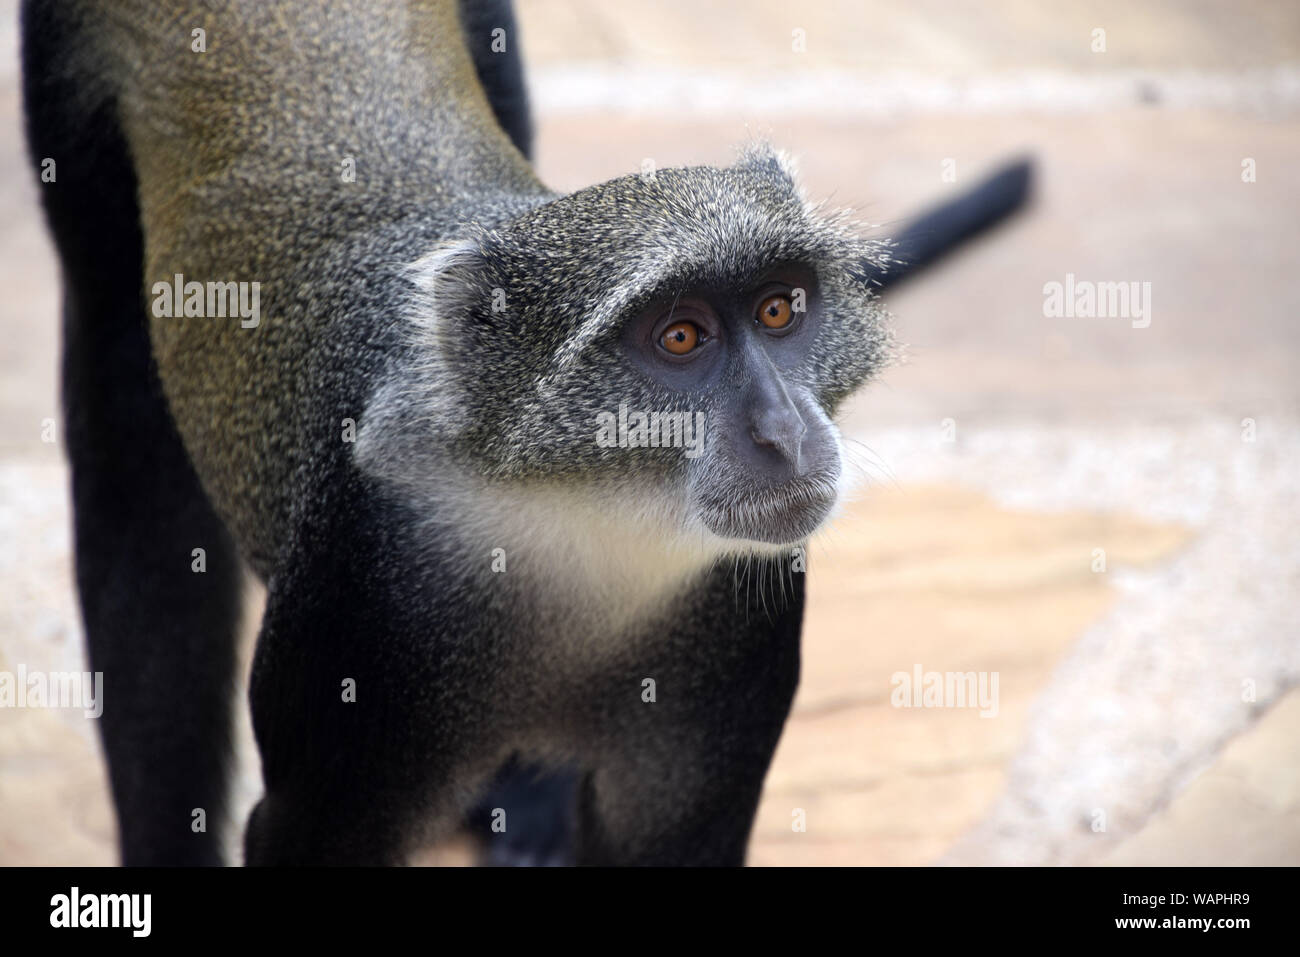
(156, 571)
(938, 231)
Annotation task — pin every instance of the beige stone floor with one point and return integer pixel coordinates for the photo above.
(943, 578)
(1244, 808)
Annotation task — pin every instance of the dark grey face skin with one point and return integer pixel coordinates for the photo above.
(775, 461)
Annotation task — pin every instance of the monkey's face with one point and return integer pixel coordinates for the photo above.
(770, 469)
(680, 341)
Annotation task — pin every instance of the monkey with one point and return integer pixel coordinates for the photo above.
(484, 574)
(546, 797)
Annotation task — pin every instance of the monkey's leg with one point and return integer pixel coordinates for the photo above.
(634, 816)
(161, 623)
(678, 778)
(361, 722)
(162, 633)
(347, 777)
(685, 798)
(351, 739)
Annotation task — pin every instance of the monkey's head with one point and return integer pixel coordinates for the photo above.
(683, 338)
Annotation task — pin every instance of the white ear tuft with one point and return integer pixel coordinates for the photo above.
(444, 279)
(764, 156)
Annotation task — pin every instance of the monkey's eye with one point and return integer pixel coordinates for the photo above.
(775, 312)
(680, 338)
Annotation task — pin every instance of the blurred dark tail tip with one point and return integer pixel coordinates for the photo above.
(937, 232)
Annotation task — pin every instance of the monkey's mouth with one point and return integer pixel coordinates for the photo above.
(782, 515)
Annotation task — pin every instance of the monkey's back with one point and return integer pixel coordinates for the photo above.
(315, 151)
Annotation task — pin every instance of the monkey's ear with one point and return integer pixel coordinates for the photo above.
(450, 289)
(764, 157)
(420, 408)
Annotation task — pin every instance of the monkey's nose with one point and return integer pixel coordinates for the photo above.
(783, 429)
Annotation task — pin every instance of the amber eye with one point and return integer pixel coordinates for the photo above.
(680, 338)
(775, 312)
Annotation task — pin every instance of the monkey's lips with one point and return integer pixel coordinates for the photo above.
(784, 514)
